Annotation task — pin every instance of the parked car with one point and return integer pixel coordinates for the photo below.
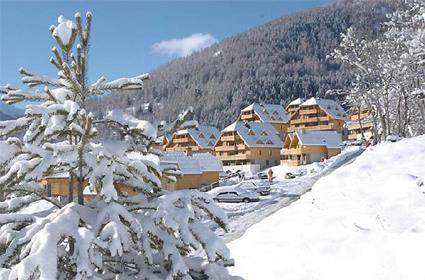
(262, 175)
(225, 194)
(289, 175)
(261, 187)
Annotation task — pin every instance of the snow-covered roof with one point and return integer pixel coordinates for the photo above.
(189, 124)
(257, 135)
(297, 101)
(273, 113)
(204, 136)
(63, 175)
(330, 106)
(194, 164)
(208, 162)
(330, 139)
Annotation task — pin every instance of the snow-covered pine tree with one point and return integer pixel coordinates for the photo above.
(154, 234)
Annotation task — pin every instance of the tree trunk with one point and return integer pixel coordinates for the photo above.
(71, 181)
(360, 122)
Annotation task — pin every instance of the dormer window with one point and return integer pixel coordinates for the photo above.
(251, 132)
(270, 142)
(264, 133)
(201, 136)
(259, 142)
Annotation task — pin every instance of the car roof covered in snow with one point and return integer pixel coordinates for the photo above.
(330, 139)
(331, 107)
(273, 113)
(257, 135)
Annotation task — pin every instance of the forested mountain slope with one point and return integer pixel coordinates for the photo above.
(275, 62)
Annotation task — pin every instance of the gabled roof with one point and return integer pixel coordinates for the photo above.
(204, 136)
(330, 139)
(271, 113)
(331, 107)
(297, 101)
(256, 135)
(195, 164)
(208, 162)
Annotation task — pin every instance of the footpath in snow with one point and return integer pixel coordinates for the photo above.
(365, 220)
(284, 192)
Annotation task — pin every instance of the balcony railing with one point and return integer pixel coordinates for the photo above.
(309, 111)
(311, 128)
(233, 157)
(225, 148)
(295, 151)
(228, 138)
(181, 140)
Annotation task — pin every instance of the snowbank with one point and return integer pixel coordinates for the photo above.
(315, 167)
(366, 220)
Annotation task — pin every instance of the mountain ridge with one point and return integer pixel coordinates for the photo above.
(271, 63)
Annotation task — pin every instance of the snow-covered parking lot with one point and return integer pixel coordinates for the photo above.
(283, 192)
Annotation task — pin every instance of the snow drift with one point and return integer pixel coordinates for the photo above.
(364, 221)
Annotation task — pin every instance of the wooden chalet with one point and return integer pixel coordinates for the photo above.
(193, 138)
(196, 170)
(273, 114)
(248, 146)
(294, 105)
(318, 114)
(304, 147)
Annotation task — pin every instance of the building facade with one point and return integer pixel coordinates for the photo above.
(273, 114)
(359, 121)
(195, 171)
(305, 147)
(249, 146)
(317, 114)
(193, 139)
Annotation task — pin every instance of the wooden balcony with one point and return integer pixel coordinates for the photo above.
(181, 140)
(228, 138)
(248, 116)
(356, 125)
(294, 151)
(240, 147)
(309, 111)
(324, 119)
(182, 148)
(225, 148)
(233, 157)
(311, 128)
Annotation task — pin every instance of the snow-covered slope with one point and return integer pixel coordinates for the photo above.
(363, 221)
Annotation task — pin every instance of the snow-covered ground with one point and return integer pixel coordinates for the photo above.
(283, 192)
(366, 220)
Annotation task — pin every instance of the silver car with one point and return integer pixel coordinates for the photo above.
(261, 187)
(235, 195)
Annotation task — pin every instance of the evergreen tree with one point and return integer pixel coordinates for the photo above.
(152, 235)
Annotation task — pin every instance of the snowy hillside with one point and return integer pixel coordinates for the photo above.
(363, 221)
